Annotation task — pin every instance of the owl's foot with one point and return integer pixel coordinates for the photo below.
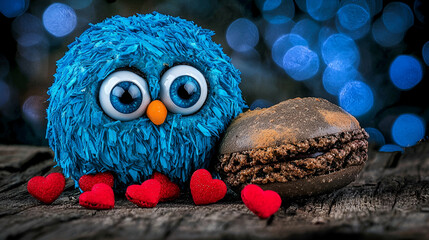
(169, 190)
(152, 191)
(146, 195)
(97, 188)
(86, 182)
(101, 196)
(97, 191)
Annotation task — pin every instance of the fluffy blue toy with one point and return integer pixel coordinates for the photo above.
(98, 111)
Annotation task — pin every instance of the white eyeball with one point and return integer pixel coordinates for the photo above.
(124, 95)
(183, 89)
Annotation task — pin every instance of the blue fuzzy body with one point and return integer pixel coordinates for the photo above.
(85, 140)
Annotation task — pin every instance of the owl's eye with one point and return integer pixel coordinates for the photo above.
(183, 89)
(124, 95)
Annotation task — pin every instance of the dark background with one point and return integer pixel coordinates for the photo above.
(26, 72)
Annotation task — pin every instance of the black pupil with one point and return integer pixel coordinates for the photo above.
(126, 98)
(185, 94)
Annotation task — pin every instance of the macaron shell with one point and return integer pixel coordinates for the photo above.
(290, 121)
(315, 185)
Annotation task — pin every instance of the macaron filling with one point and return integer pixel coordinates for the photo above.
(294, 161)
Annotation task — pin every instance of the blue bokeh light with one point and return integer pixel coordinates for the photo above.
(322, 10)
(13, 8)
(405, 72)
(375, 136)
(408, 129)
(391, 148)
(340, 50)
(278, 11)
(362, 3)
(30, 39)
(324, 33)
(4, 93)
(374, 6)
(397, 17)
(33, 109)
(271, 4)
(34, 53)
(425, 53)
(383, 36)
(28, 30)
(283, 44)
(356, 97)
(260, 103)
(353, 20)
(335, 79)
(354, 34)
(307, 29)
(419, 11)
(272, 32)
(59, 19)
(352, 16)
(301, 63)
(30, 35)
(242, 35)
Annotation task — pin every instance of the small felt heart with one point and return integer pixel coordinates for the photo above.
(205, 189)
(86, 182)
(145, 195)
(169, 190)
(101, 196)
(260, 202)
(47, 189)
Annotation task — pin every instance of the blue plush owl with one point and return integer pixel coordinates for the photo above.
(141, 94)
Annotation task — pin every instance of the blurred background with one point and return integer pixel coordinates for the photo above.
(371, 57)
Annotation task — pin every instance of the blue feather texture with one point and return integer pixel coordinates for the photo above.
(87, 141)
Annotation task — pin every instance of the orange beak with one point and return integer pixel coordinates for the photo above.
(156, 112)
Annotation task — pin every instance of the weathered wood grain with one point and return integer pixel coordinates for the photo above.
(389, 200)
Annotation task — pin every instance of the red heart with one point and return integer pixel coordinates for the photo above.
(100, 197)
(145, 195)
(169, 190)
(262, 203)
(86, 182)
(47, 189)
(205, 189)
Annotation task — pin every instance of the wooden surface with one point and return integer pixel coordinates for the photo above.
(389, 200)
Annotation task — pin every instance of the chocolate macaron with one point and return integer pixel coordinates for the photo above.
(299, 147)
